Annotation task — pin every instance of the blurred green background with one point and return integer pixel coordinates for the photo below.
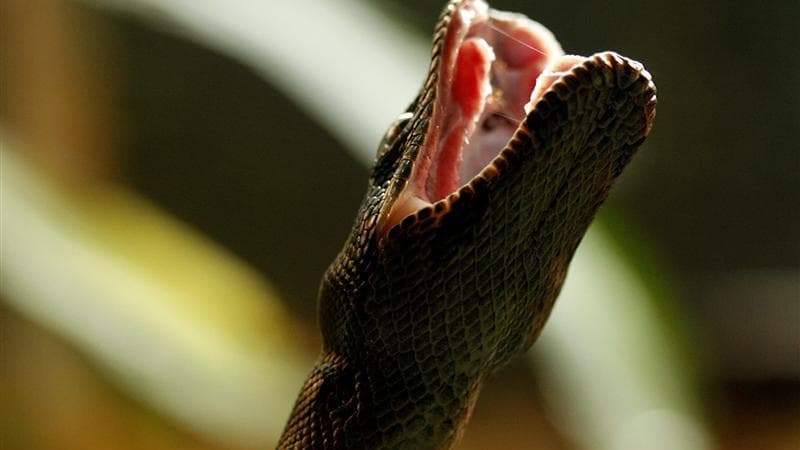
(177, 175)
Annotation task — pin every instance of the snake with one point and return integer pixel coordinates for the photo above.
(479, 195)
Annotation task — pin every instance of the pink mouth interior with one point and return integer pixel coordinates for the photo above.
(494, 67)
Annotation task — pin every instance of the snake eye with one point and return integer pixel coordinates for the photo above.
(393, 133)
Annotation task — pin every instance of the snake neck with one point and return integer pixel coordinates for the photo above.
(377, 383)
(378, 403)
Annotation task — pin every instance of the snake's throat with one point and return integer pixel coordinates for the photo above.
(494, 66)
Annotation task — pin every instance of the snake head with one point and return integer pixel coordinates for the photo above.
(480, 193)
(483, 188)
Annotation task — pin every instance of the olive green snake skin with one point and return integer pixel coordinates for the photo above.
(416, 313)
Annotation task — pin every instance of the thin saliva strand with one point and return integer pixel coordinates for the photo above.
(546, 73)
(524, 44)
(511, 119)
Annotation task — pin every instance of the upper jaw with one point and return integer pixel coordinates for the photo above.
(488, 68)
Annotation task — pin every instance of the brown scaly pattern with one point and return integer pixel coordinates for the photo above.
(413, 321)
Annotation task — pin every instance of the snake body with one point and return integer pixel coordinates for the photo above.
(435, 289)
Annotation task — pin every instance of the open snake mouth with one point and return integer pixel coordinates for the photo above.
(493, 67)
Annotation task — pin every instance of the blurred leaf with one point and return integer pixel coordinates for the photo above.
(168, 312)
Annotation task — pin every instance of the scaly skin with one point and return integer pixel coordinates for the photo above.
(414, 318)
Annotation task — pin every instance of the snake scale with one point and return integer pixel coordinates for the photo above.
(480, 193)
